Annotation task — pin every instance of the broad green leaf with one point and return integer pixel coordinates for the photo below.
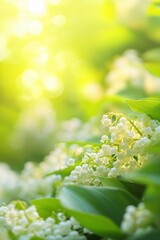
(112, 182)
(134, 188)
(11, 235)
(63, 172)
(149, 106)
(106, 201)
(152, 235)
(153, 68)
(155, 148)
(99, 224)
(46, 206)
(132, 92)
(152, 199)
(37, 238)
(152, 55)
(149, 174)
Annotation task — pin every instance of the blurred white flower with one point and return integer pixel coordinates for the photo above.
(128, 70)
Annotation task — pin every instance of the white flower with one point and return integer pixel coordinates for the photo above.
(137, 219)
(71, 162)
(31, 213)
(104, 139)
(106, 121)
(3, 211)
(18, 230)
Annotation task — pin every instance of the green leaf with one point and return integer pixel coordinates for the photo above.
(149, 174)
(112, 182)
(134, 188)
(153, 68)
(152, 55)
(11, 235)
(149, 106)
(20, 205)
(152, 235)
(37, 238)
(154, 148)
(63, 172)
(152, 199)
(46, 206)
(114, 99)
(98, 224)
(104, 201)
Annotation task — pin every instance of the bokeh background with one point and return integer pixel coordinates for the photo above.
(66, 59)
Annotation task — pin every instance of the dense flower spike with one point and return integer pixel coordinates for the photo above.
(130, 71)
(123, 148)
(26, 223)
(137, 220)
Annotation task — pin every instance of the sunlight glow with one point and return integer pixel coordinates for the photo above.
(92, 92)
(4, 52)
(20, 28)
(29, 78)
(35, 27)
(53, 84)
(54, 2)
(37, 7)
(59, 20)
(42, 59)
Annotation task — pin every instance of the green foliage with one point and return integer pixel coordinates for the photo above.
(105, 201)
(20, 205)
(112, 182)
(152, 198)
(149, 106)
(154, 235)
(98, 224)
(47, 206)
(134, 188)
(11, 235)
(152, 55)
(153, 68)
(63, 172)
(155, 148)
(37, 238)
(149, 174)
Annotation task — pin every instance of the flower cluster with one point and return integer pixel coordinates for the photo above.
(137, 220)
(130, 71)
(8, 191)
(37, 124)
(130, 8)
(25, 223)
(76, 130)
(123, 149)
(33, 181)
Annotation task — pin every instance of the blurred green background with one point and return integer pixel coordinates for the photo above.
(58, 60)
